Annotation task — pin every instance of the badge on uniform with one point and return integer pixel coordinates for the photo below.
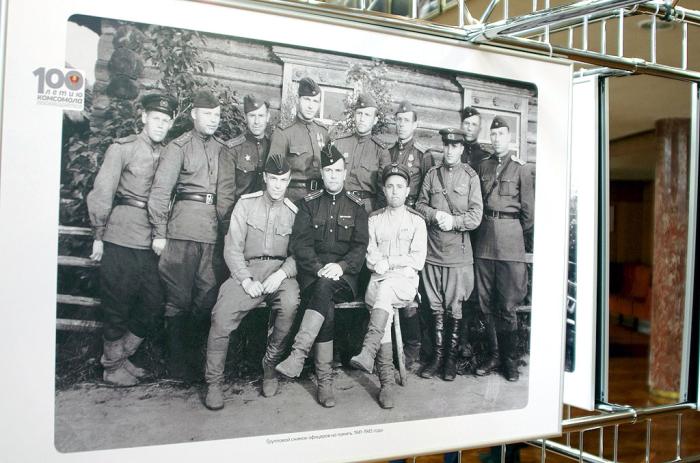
(345, 155)
(410, 158)
(319, 140)
(247, 157)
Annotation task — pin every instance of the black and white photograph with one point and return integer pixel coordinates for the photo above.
(274, 245)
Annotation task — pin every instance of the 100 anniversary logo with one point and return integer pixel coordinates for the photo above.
(64, 88)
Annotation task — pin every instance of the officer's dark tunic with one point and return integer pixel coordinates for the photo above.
(301, 142)
(365, 157)
(189, 165)
(329, 228)
(413, 156)
(117, 209)
(499, 251)
(474, 153)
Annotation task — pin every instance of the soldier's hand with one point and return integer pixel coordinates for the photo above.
(381, 267)
(158, 245)
(252, 287)
(273, 282)
(97, 250)
(332, 271)
(447, 223)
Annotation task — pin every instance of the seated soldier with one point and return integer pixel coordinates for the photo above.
(395, 255)
(256, 253)
(329, 242)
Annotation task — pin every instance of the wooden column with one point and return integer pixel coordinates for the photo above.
(670, 243)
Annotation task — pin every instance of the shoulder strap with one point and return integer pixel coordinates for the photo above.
(444, 191)
(495, 181)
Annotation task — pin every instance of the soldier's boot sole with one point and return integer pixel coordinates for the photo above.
(270, 382)
(386, 397)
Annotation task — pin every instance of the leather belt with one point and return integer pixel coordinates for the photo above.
(268, 258)
(310, 184)
(364, 194)
(206, 198)
(501, 215)
(124, 201)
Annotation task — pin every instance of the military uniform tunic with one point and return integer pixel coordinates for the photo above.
(448, 276)
(413, 156)
(501, 272)
(129, 268)
(474, 153)
(365, 157)
(256, 246)
(329, 228)
(189, 165)
(301, 142)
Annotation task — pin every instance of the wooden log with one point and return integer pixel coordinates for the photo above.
(82, 301)
(87, 326)
(76, 231)
(70, 261)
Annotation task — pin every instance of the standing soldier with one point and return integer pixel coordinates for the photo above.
(302, 142)
(450, 200)
(117, 208)
(395, 255)
(329, 242)
(501, 271)
(365, 155)
(471, 125)
(185, 237)
(241, 164)
(256, 253)
(409, 153)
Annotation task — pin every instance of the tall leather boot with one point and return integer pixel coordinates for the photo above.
(217, 349)
(507, 341)
(113, 362)
(410, 331)
(178, 364)
(323, 359)
(385, 371)
(451, 348)
(375, 330)
(492, 360)
(270, 381)
(131, 343)
(310, 326)
(439, 350)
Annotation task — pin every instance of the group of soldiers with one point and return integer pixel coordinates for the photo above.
(202, 231)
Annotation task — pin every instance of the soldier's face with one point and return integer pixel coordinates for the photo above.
(471, 126)
(276, 185)
(453, 153)
(308, 106)
(395, 190)
(257, 120)
(365, 118)
(156, 125)
(500, 139)
(406, 125)
(206, 120)
(334, 176)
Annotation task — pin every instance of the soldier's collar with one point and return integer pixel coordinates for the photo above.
(471, 143)
(364, 137)
(146, 139)
(269, 199)
(334, 195)
(201, 136)
(304, 121)
(249, 135)
(406, 142)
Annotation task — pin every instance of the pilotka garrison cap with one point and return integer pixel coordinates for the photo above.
(204, 99)
(276, 164)
(330, 155)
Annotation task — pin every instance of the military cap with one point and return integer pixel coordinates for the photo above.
(499, 122)
(161, 103)
(365, 100)
(252, 102)
(405, 107)
(469, 112)
(276, 164)
(330, 155)
(450, 135)
(396, 169)
(204, 99)
(307, 87)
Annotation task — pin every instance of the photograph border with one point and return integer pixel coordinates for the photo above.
(579, 385)
(30, 182)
